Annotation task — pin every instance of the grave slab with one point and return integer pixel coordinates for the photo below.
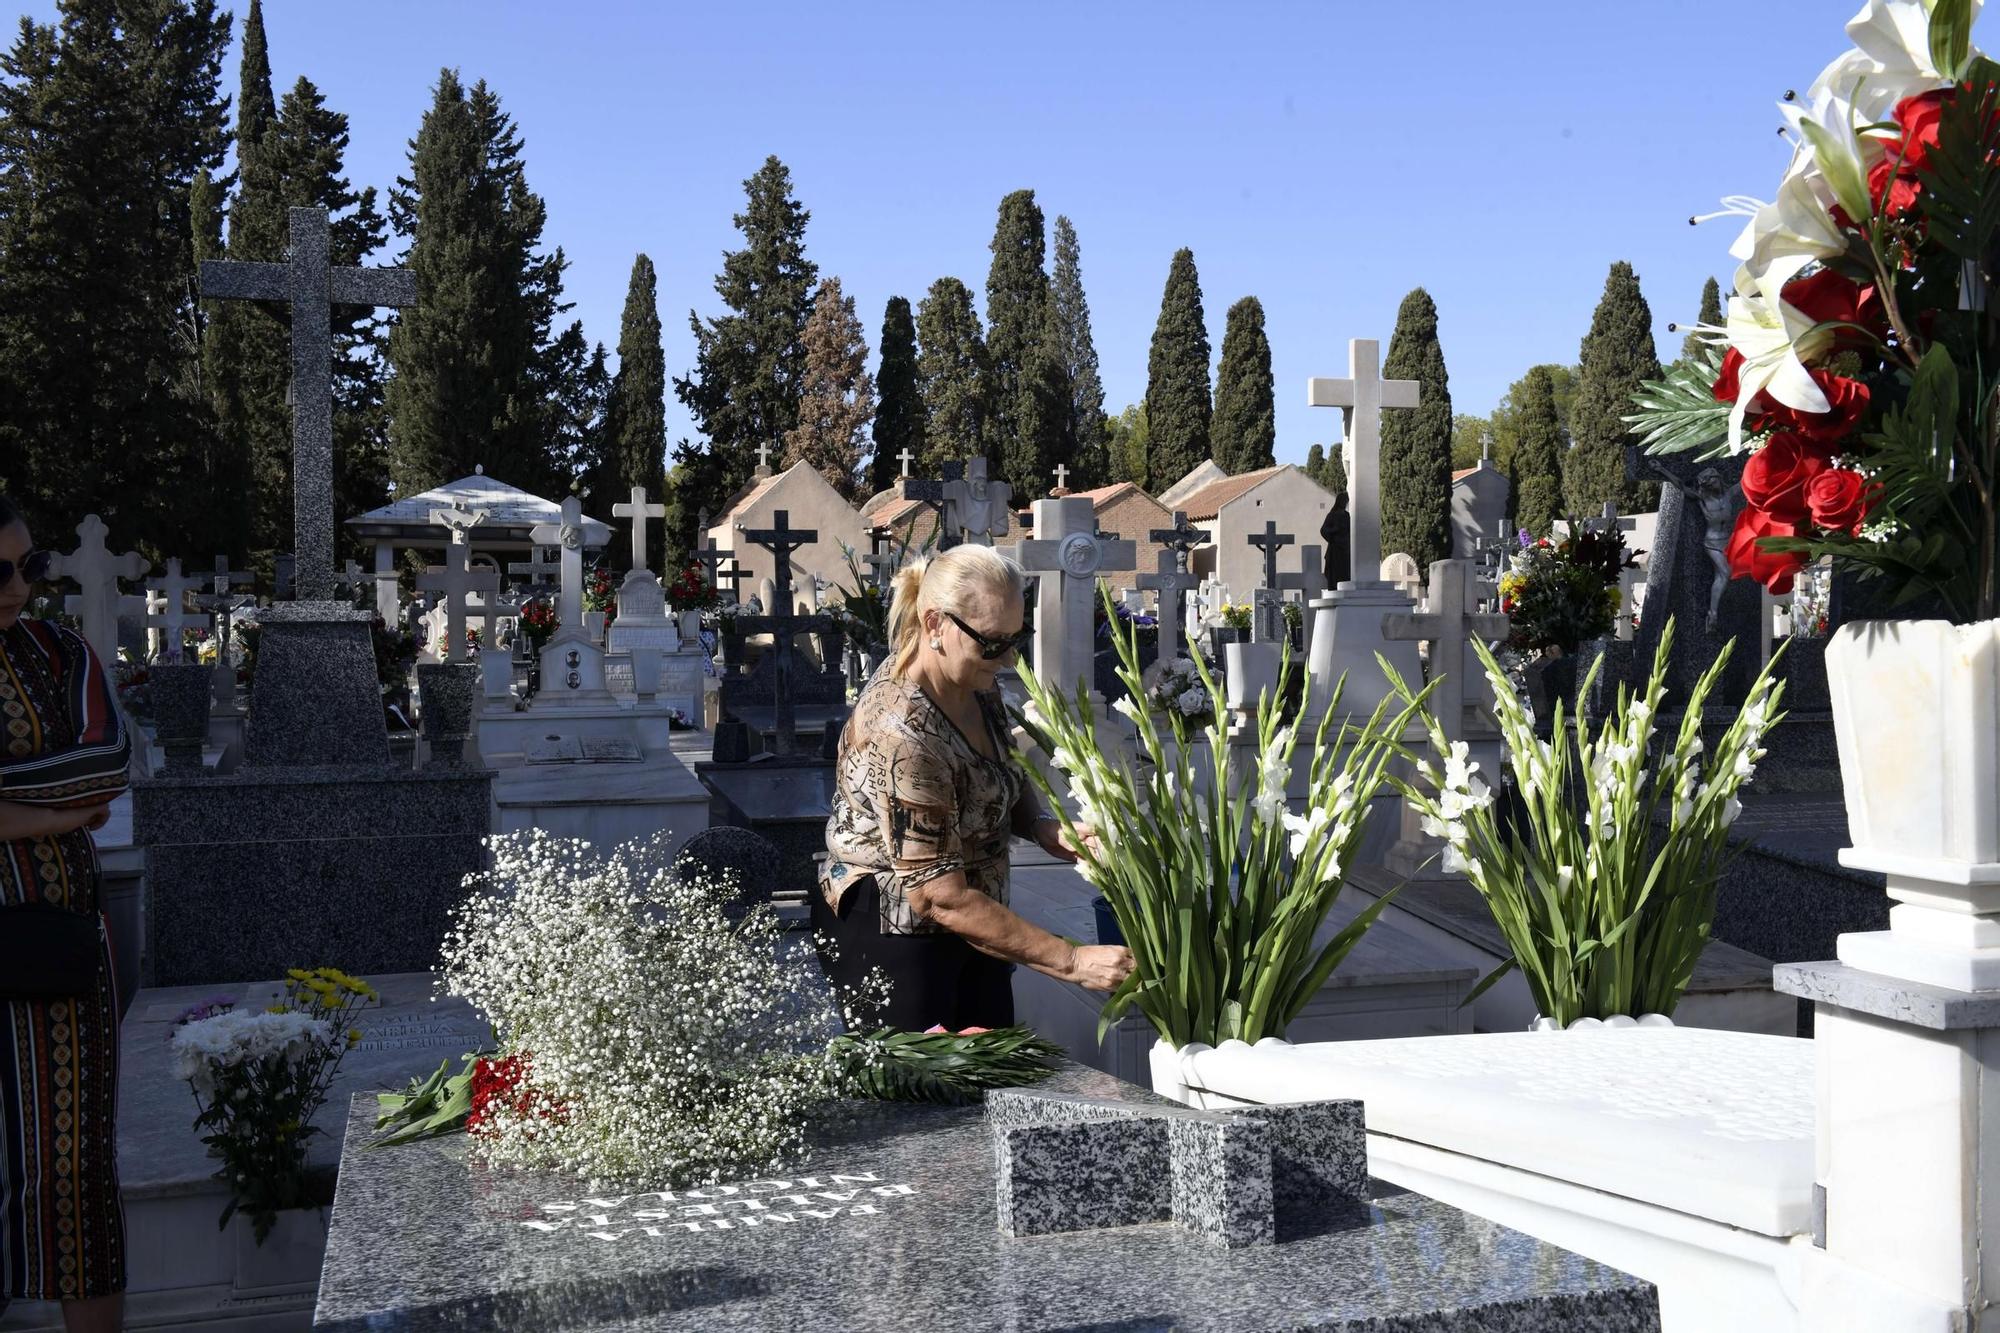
(907, 1237)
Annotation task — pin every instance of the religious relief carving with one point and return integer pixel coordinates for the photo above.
(1719, 501)
(1080, 555)
(572, 538)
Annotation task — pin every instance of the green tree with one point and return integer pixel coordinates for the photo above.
(1126, 438)
(899, 408)
(951, 375)
(1316, 462)
(474, 359)
(1087, 428)
(750, 360)
(635, 411)
(256, 105)
(1416, 444)
(1710, 314)
(1617, 356)
(1178, 408)
(579, 438)
(1536, 465)
(1028, 405)
(1469, 436)
(838, 396)
(1245, 430)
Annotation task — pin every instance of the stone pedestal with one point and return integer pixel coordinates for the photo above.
(447, 693)
(180, 692)
(1346, 637)
(316, 699)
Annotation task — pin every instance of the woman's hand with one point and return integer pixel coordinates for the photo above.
(1049, 836)
(1099, 967)
(18, 820)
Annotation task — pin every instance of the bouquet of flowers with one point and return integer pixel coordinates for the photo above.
(600, 593)
(1179, 690)
(1562, 593)
(258, 1080)
(1859, 359)
(538, 621)
(691, 590)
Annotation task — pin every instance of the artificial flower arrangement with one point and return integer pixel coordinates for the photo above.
(1218, 888)
(600, 593)
(1860, 354)
(1180, 691)
(538, 622)
(1603, 883)
(1560, 594)
(259, 1077)
(692, 591)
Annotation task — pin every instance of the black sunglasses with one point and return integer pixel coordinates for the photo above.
(992, 650)
(34, 567)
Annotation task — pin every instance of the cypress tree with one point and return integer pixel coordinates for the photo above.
(256, 106)
(1536, 471)
(578, 437)
(474, 371)
(1087, 429)
(1711, 315)
(635, 413)
(1416, 444)
(1029, 409)
(1316, 462)
(899, 410)
(951, 375)
(751, 359)
(838, 395)
(1178, 408)
(1617, 356)
(1245, 433)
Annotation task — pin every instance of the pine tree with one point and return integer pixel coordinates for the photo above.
(1029, 409)
(1178, 408)
(750, 360)
(951, 375)
(1245, 432)
(838, 396)
(1416, 444)
(635, 414)
(1617, 357)
(1536, 471)
(899, 409)
(587, 464)
(1087, 429)
(473, 359)
(1710, 314)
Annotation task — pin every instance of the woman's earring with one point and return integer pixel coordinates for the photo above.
(937, 645)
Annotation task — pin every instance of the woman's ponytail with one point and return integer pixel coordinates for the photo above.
(906, 617)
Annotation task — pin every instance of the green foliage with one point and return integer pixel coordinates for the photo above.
(1710, 316)
(899, 409)
(1536, 475)
(1558, 594)
(426, 1108)
(1616, 359)
(1678, 412)
(946, 1068)
(1178, 408)
(750, 361)
(952, 382)
(837, 396)
(1088, 429)
(1245, 429)
(1416, 445)
(1125, 445)
(635, 411)
(1605, 913)
(1470, 436)
(1027, 400)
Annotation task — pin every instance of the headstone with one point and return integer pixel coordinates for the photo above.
(642, 624)
(1361, 397)
(1309, 582)
(1448, 625)
(1687, 578)
(723, 855)
(220, 602)
(567, 537)
(638, 510)
(96, 572)
(1066, 548)
(173, 588)
(1402, 570)
(1172, 581)
(454, 579)
(784, 624)
(542, 571)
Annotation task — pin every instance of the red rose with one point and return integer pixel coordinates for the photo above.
(1728, 383)
(1892, 181)
(1847, 402)
(1828, 297)
(1773, 569)
(1839, 500)
(1775, 477)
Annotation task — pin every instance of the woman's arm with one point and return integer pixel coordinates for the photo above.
(991, 928)
(19, 822)
(96, 768)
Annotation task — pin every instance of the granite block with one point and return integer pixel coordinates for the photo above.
(1319, 1152)
(1938, 1008)
(316, 698)
(448, 693)
(1081, 1177)
(1222, 1179)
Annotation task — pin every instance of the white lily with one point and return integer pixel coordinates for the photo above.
(1775, 341)
(1784, 236)
(1896, 36)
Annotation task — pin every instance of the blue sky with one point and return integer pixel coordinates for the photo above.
(1323, 157)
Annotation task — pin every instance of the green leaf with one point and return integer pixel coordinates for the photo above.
(1842, 172)
(1951, 35)
(1486, 981)
(1678, 413)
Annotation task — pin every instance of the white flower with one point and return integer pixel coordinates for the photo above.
(1126, 709)
(1730, 810)
(1306, 829)
(1565, 876)
(1776, 340)
(1270, 807)
(1192, 701)
(1784, 236)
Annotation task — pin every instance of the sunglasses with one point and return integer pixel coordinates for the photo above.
(33, 567)
(992, 650)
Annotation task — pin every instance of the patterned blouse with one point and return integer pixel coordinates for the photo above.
(913, 800)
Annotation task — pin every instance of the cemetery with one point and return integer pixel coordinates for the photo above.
(926, 851)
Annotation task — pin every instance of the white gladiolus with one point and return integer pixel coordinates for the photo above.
(1126, 709)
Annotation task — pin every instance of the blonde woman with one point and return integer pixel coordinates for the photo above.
(927, 799)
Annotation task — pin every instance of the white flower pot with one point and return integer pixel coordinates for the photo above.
(287, 1263)
(1916, 712)
(1166, 1065)
(1616, 1023)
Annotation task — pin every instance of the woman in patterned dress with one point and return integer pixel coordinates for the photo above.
(927, 799)
(63, 756)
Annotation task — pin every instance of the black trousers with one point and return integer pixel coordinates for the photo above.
(933, 979)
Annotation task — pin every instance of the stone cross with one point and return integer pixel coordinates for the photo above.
(906, 458)
(173, 587)
(937, 494)
(96, 572)
(1362, 396)
(1609, 521)
(639, 511)
(1062, 479)
(881, 560)
(310, 283)
(220, 603)
(1066, 547)
(764, 460)
(567, 536)
(542, 573)
(782, 622)
(1269, 541)
(1448, 626)
(455, 579)
(1172, 581)
(1310, 581)
(1267, 616)
(976, 509)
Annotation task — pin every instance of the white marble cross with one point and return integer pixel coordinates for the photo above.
(1062, 477)
(1448, 626)
(455, 579)
(639, 511)
(906, 458)
(1362, 396)
(96, 572)
(764, 459)
(568, 537)
(1066, 548)
(173, 588)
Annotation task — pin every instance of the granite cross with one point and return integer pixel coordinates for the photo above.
(567, 536)
(1172, 579)
(1268, 626)
(639, 511)
(782, 623)
(1448, 626)
(1310, 581)
(1362, 396)
(937, 495)
(312, 285)
(96, 572)
(455, 579)
(1270, 541)
(173, 587)
(1066, 547)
